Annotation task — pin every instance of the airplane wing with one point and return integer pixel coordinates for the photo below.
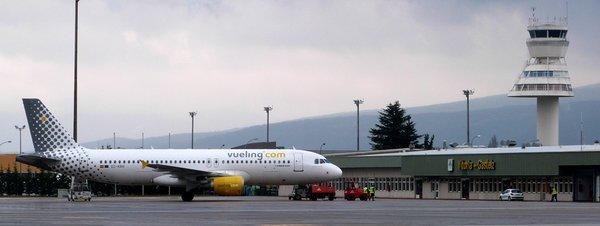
(181, 171)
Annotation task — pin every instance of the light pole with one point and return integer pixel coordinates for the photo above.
(193, 114)
(169, 140)
(20, 128)
(358, 102)
(468, 93)
(142, 140)
(20, 135)
(268, 109)
(75, 76)
(321, 148)
(114, 140)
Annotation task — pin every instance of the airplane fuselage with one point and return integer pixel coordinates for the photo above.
(257, 167)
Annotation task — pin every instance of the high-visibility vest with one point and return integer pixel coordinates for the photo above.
(554, 191)
(366, 190)
(372, 190)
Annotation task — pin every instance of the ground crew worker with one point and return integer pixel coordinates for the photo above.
(372, 193)
(366, 190)
(554, 194)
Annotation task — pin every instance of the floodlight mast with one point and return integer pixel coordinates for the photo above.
(193, 114)
(358, 102)
(268, 109)
(468, 93)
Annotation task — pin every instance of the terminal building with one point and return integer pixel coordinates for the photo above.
(474, 173)
(482, 173)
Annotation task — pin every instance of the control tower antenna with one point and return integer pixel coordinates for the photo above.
(545, 75)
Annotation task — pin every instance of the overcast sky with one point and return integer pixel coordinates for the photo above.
(144, 64)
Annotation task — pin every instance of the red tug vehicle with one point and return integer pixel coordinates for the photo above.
(313, 192)
(353, 192)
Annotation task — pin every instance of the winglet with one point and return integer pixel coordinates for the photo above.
(144, 163)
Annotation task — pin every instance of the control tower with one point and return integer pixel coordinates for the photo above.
(545, 75)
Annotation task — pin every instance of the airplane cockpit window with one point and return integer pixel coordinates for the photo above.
(321, 161)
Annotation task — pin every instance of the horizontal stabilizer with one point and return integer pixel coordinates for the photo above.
(37, 160)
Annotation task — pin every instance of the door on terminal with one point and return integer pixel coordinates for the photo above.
(419, 188)
(464, 188)
(583, 188)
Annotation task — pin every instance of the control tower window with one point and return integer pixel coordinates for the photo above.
(554, 33)
(548, 34)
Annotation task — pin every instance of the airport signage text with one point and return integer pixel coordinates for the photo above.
(477, 165)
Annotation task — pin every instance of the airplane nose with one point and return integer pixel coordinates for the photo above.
(336, 172)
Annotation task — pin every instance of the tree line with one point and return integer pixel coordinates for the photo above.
(44, 183)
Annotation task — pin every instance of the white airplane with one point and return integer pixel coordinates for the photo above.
(225, 171)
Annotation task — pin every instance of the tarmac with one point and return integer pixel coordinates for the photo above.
(281, 211)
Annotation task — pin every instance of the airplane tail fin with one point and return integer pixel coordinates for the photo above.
(46, 132)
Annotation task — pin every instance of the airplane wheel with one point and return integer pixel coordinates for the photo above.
(187, 196)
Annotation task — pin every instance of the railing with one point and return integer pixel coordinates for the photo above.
(542, 87)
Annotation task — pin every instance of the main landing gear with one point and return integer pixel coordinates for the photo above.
(187, 196)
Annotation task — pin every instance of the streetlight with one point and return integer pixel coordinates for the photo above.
(268, 109)
(473, 140)
(142, 142)
(20, 128)
(321, 148)
(75, 76)
(193, 114)
(468, 93)
(358, 102)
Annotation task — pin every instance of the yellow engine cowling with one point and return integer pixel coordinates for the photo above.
(228, 186)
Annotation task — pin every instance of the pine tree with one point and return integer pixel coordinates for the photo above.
(394, 130)
(427, 142)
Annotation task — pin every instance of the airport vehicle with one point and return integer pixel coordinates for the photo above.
(511, 194)
(313, 192)
(224, 171)
(352, 193)
(80, 191)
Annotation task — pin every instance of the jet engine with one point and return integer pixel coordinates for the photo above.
(228, 186)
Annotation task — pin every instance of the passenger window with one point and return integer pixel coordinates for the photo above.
(203, 161)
